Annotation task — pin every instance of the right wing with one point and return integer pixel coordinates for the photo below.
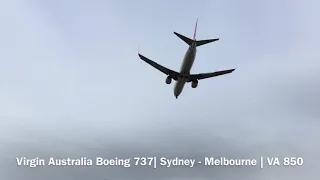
(163, 69)
(209, 75)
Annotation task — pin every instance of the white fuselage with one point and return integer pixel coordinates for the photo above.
(185, 69)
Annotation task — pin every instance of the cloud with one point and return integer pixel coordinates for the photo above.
(71, 87)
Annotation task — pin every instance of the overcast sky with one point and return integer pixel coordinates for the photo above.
(71, 85)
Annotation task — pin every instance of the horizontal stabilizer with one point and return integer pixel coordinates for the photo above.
(202, 42)
(185, 39)
(190, 41)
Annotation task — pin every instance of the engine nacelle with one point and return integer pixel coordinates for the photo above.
(168, 80)
(194, 84)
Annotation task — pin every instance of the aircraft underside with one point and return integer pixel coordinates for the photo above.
(184, 75)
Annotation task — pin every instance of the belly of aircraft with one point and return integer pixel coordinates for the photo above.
(187, 65)
(179, 85)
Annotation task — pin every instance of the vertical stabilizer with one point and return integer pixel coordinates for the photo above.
(195, 31)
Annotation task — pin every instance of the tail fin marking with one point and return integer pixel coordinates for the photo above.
(191, 41)
(195, 31)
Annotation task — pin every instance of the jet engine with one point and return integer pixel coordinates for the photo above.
(194, 84)
(168, 80)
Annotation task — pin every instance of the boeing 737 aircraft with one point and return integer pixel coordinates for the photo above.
(184, 75)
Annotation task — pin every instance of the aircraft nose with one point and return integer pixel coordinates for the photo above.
(176, 95)
(176, 92)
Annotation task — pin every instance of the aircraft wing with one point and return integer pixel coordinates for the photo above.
(209, 75)
(163, 69)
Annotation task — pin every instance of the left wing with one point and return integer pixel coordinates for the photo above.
(163, 69)
(209, 75)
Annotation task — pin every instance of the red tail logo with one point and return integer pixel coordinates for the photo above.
(195, 31)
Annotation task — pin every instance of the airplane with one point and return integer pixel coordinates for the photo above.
(184, 75)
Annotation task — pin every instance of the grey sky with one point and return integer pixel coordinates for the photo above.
(71, 84)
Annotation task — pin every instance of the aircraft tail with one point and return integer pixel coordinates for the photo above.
(185, 39)
(195, 31)
(191, 41)
(203, 42)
